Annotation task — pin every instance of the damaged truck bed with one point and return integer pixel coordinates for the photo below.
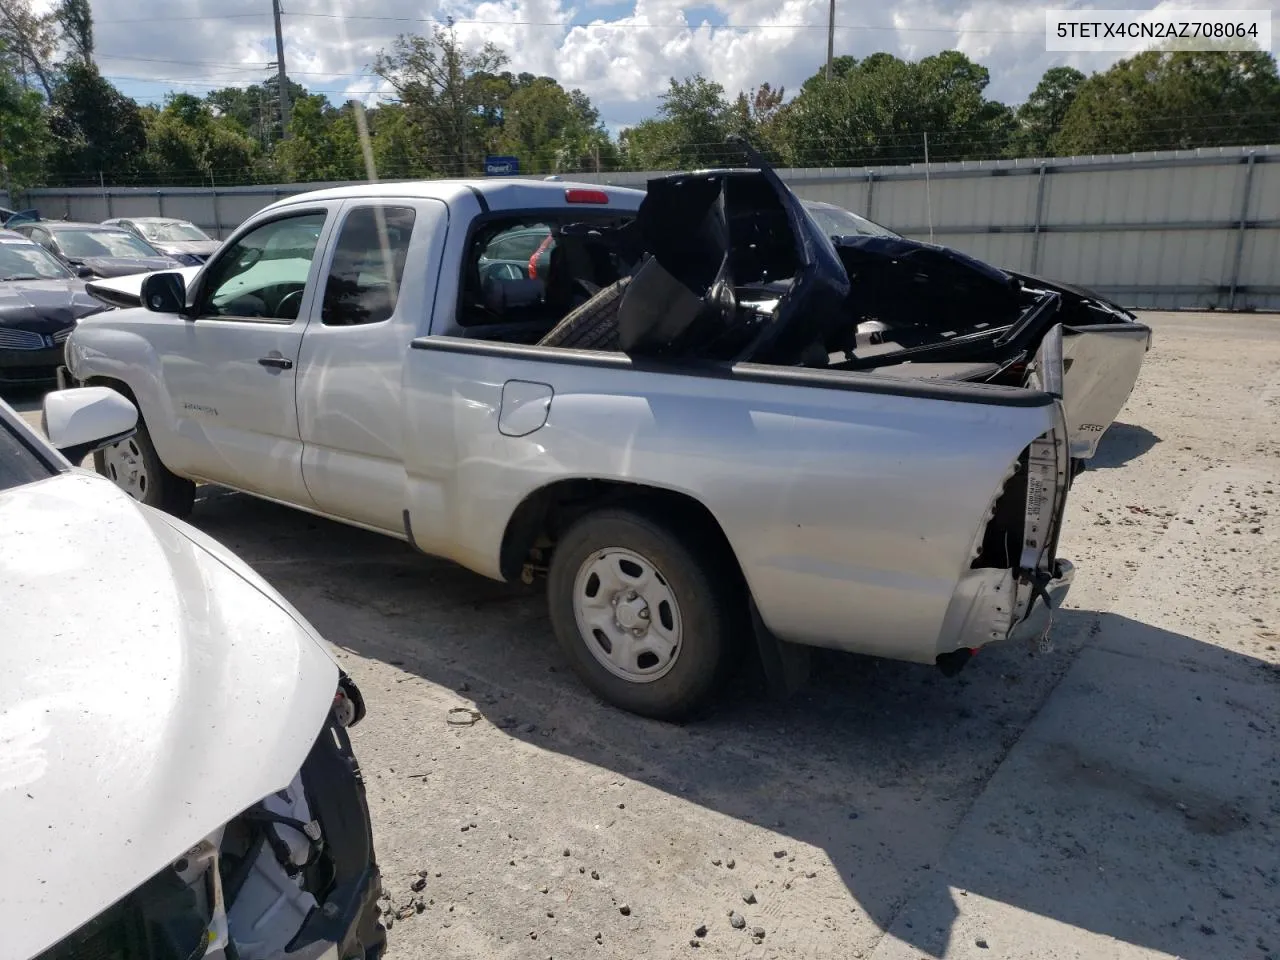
(753, 274)
(689, 411)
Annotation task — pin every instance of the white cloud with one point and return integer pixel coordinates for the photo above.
(620, 52)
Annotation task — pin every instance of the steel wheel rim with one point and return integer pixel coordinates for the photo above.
(126, 467)
(627, 615)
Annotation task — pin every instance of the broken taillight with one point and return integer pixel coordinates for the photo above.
(573, 195)
(348, 703)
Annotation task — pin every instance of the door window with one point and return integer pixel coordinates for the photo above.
(368, 264)
(263, 276)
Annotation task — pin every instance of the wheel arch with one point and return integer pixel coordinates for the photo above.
(542, 517)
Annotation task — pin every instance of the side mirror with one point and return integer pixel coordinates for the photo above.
(164, 293)
(85, 272)
(84, 419)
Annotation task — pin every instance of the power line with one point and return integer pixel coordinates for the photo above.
(598, 24)
(212, 84)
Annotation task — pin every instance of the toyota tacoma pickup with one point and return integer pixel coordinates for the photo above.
(668, 413)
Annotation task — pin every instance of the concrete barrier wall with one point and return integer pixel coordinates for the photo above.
(1194, 229)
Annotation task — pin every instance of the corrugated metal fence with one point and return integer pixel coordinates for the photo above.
(1195, 229)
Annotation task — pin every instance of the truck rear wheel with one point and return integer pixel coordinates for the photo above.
(644, 615)
(134, 466)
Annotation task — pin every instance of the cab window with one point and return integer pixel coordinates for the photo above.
(263, 276)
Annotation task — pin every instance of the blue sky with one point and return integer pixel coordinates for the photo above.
(620, 52)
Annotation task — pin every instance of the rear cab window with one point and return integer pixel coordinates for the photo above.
(533, 269)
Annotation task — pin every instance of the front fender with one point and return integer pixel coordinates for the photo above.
(102, 348)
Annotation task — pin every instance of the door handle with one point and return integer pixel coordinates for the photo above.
(279, 363)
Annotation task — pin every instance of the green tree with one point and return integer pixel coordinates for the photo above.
(256, 108)
(24, 134)
(693, 120)
(95, 130)
(28, 42)
(878, 109)
(324, 143)
(649, 145)
(585, 144)
(550, 128)
(1166, 101)
(187, 141)
(450, 95)
(757, 117)
(1040, 118)
(396, 144)
(700, 118)
(76, 21)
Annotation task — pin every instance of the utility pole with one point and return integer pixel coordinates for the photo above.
(284, 83)
(831, 39)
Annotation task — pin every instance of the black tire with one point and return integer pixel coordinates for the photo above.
(707, 594)
(164, 490)
(593, 325)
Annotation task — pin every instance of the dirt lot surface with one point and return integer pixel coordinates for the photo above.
(1118, 797)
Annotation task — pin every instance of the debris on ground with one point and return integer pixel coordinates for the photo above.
(462, 717)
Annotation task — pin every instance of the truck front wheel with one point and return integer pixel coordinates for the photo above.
(134, 466)
(646, 616)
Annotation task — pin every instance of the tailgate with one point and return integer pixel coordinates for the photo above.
(1092, 370)
(1100, 369)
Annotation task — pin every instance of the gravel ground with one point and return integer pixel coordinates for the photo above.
(553, 826)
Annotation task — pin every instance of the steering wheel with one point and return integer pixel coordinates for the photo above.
(291, 299)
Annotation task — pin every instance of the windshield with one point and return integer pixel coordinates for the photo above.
(19, 464)
(103, 243)
(175, 231)
(839, 222)
(20, 260)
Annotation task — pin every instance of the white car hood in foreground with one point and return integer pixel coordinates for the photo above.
(152, 690)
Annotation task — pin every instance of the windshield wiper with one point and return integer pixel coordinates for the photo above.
(22, 276)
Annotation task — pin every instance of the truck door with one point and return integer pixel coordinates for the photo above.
(376, 296)
(230, 372)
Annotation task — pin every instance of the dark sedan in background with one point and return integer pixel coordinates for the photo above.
(180, 239)
(94, 250)
(41, 301)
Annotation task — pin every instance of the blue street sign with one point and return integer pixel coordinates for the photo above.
(501, 166)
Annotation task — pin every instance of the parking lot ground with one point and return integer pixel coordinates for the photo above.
(1117, 797)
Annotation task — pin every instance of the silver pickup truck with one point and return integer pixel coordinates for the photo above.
(653, 400)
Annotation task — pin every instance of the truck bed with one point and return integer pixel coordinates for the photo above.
(855, 503)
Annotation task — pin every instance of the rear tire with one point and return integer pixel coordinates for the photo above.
(647, 617)
(134, 466)
(593, 325)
